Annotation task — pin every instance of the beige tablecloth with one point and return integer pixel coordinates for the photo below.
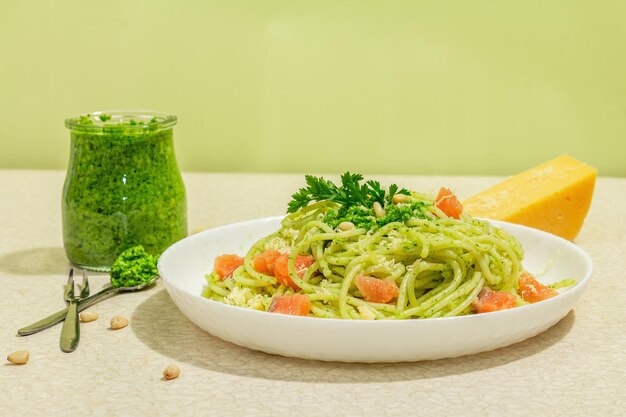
(577, 368)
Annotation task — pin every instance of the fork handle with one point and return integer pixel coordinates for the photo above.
(58, 317)
(70, 333)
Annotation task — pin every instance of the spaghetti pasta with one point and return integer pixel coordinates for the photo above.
(439, 264)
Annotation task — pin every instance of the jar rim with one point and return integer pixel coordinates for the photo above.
(126, 119)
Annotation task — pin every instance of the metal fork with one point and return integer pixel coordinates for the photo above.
(70, 333)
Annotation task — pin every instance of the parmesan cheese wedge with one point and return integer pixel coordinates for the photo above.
(554, 196)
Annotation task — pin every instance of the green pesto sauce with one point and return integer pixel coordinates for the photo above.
(123, 189)
(364, 217)
(133, 267)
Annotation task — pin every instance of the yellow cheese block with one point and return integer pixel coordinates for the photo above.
(554, 196)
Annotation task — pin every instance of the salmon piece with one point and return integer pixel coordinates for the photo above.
(264, 262)
(296, 305)
(225, 265)
(376, 290)
(281, 268)
(532, 290)
(489, 300)
(447, 202)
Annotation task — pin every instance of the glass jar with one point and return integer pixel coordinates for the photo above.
(123, 187)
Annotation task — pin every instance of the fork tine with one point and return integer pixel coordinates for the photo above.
(84, 292)
(69, 287)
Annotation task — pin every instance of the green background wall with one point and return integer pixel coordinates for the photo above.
(404, 87)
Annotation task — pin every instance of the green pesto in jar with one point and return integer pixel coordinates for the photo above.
(123, 187)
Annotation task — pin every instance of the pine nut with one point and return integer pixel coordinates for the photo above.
(346, 226)
(399, 198)
(87, 316)
(378, 210)
(119, 322)
(19, 358)
(171, 372)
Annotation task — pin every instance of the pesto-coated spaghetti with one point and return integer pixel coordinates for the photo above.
(373, 254)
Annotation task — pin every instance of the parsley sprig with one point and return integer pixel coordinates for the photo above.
(350, 193)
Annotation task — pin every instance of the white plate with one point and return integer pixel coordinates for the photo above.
(183, 266)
